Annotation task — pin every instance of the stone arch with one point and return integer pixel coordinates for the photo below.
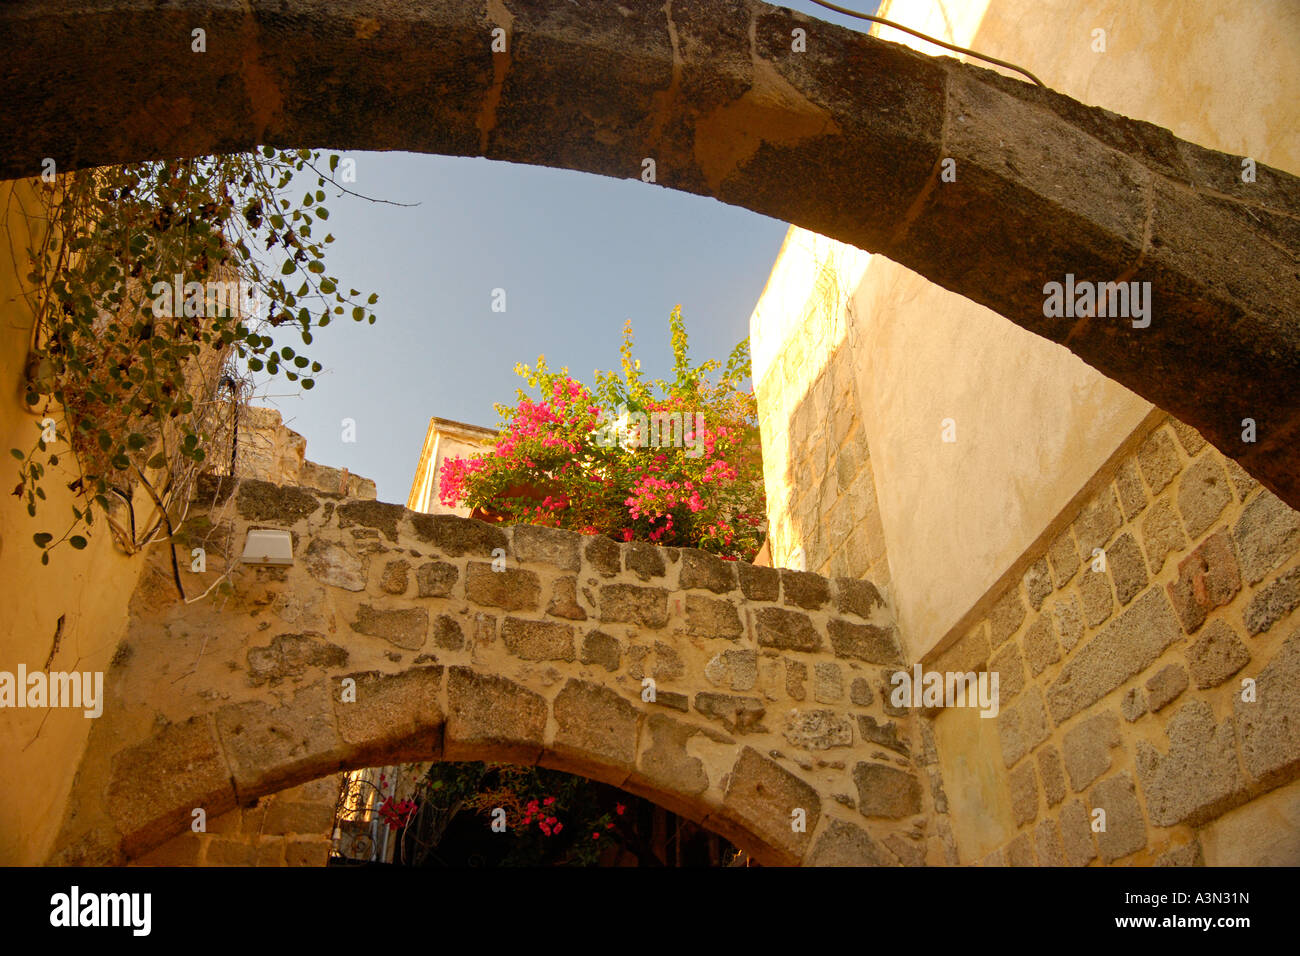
(770, 687)
(714, 93)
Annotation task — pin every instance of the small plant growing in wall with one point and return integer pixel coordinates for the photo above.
(155, 290)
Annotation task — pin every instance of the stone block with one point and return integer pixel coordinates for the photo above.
(1269, 726)
(1076, 834)
(828, 682)
(1165, 685)
(1271, 604)
(335, 565)
(512, 589)
(1266, 534)
(843, 844)
(394, 716)
(786, 630)
(435, 579)
(796, 672)
(1207, 578)
(886, 792)
(263, 502)
(1005, 617)
(631, 604)
(538, 640)
(854, 596)
(1047, 840)
(644, 560)
(738, 714)
(602, 649)
(860, 692)
(1162, 534)
(269, 746)
(703, 570)
(664, 765)
(1067, 614)
(1216, 654)
(864, 642)
(737, 670)
(285, 816)
(492, 719)
(447, 633)
(1126, 647)
(1022, 726)
(372, 514)
(564, 600)
(1125, 831)
(153, 786)
(759, 584)
(712, 617)
(1198, 778)
(1064, 557)
(395, 577)
(553, 546)
(1127, 568)
(1203, 493)
(1041, 649)
(1158, 459)
(1024, 793)
(1097, 521)
(455, 536)
(1049, 770)
(1011, 672)
(1087, 747)
(816, 729)
(1132, 495)
(801, 589)
(1038, 583)
(886, 735)
(290, 655)
(1188, 437)
(407, 628)
(761, 797)
(1134, 704)
(1094, 590)
(603, 555)
(596, 732)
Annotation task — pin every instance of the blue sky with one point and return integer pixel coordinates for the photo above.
(576, 254)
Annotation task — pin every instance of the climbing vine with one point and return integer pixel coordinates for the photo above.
(155, 290)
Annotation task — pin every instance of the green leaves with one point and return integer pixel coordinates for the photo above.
(42, 538)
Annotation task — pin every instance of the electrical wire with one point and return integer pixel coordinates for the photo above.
(922, 36)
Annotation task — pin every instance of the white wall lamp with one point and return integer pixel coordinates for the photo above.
(266, 546)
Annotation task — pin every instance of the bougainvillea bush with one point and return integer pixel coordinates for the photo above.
(673, 462)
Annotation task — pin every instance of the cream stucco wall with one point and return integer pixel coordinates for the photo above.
(40, 748)
(1033, 424)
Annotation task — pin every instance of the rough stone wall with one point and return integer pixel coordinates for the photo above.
(289, 828)
(1122, 688)
(821, 494)
(270, 451)
(769, 685)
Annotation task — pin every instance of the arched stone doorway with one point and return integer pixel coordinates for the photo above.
(721, 691)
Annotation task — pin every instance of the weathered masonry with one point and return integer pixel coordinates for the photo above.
(714, 92)
(753, 700)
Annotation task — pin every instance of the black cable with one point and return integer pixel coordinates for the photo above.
(922, 36)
